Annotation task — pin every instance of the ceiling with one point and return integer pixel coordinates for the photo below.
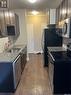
(40, 4)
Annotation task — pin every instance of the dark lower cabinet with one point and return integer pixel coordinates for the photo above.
(62, 78)
(23, 58)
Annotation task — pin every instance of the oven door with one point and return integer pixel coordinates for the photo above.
(51, 71)
(17, 71)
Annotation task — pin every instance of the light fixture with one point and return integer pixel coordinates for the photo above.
(11, 14)
(35, 12)
(6, 14)
(67, 20)
(3, 3)
(63, 11)
(32, 1)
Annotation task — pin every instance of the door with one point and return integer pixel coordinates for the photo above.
(30, 38)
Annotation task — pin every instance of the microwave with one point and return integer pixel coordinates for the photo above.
(66, 29)
(10, 30)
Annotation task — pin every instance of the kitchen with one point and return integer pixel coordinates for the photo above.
(18, 46)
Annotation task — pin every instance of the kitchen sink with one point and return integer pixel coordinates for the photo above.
(15, 50)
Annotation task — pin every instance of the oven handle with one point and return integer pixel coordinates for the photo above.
(16, 59)
(51, 56)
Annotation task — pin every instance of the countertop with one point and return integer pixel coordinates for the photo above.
(7, 57)
(11, 56)
(19, 46)
(16, 48)
(56, 49)
(60, 56)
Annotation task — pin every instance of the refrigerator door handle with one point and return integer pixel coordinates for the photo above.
(42, 41)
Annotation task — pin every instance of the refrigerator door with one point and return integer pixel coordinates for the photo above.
(51, 39)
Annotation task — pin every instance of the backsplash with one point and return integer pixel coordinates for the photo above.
(66, 41)
(3, 44)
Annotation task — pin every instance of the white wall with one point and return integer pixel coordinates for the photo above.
(52, 16)
(37, 23)
(30, 38)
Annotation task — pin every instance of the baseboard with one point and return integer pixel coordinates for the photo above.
(35, 52)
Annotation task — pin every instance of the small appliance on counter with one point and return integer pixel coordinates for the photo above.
(10, 30)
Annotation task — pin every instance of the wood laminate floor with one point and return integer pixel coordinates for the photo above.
(34, 80)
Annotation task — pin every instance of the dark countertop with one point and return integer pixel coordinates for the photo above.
(60, 56)
(56, 48)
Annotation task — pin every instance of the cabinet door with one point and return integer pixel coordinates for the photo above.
(66, 8)
(17, 25)
(2, 24)
(12, 18)
(69, 8)
(9, 18)
(23, 58)
(6, 18)
(61, 12)
(57, 15)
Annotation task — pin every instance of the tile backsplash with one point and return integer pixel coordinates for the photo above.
(66, 41)
(3, 44)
